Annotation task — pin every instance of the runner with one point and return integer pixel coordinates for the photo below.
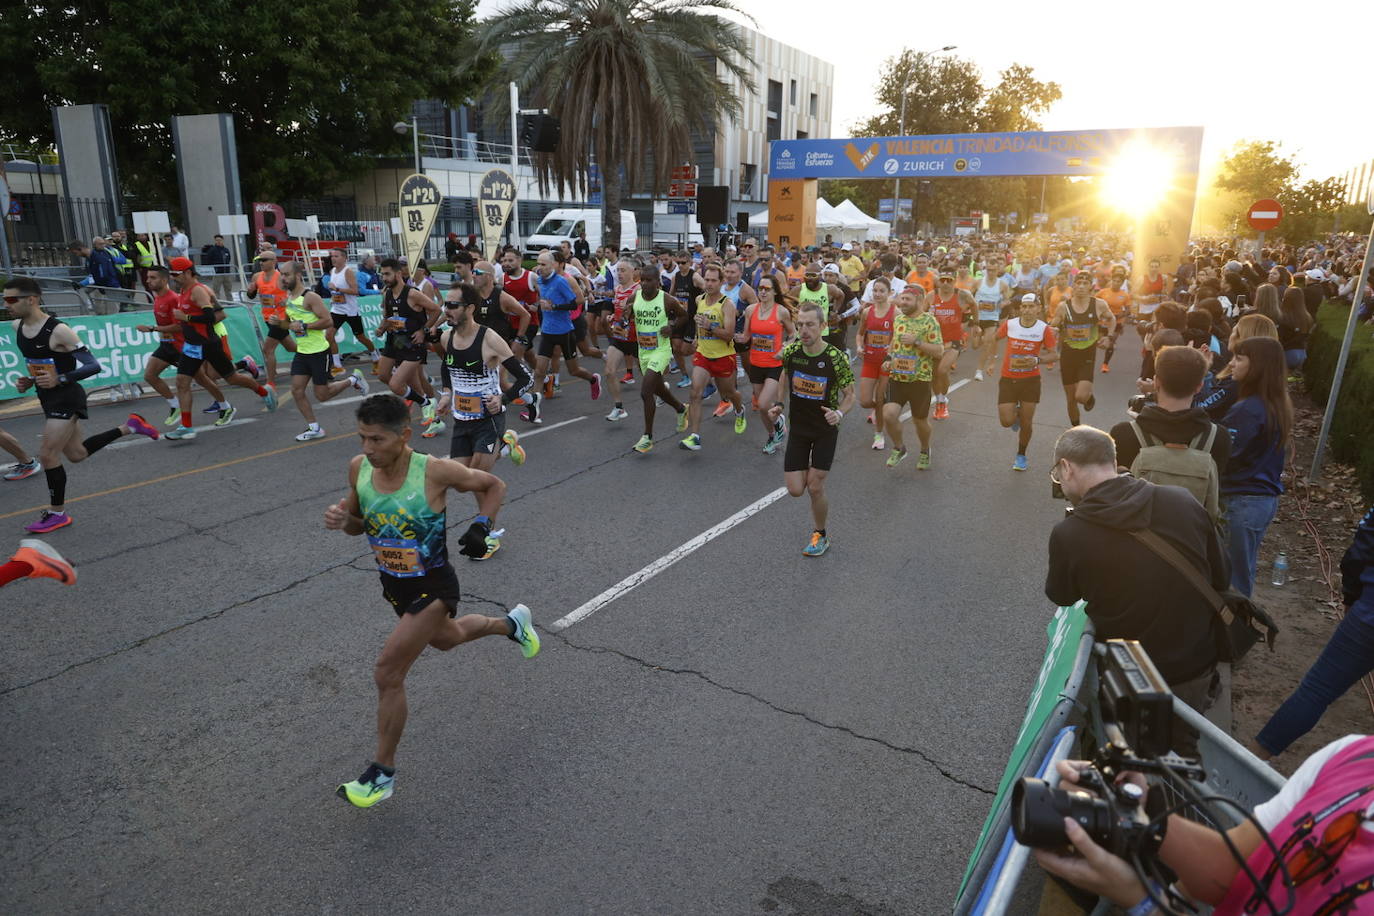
(957, 313)
(27, 466)
(473, 355)
(557, 302)
(820, 389)
(309, 321)
(267, 284)
(875, 336)
(916, 345)
(1077, 324)
(1018, 390)
(408, 315)
(168, 352)
(1117, 295)
(343, 309)
(623, 348)
(56, 361)
(992, 299)
(844, 307)
(741, 296)
(37, 559)
(653, 313)
(1057, 290)
(397, 497)
(715, 357)
(767, 327)
(520, 285)
(921, 275)
(686, 287)
(198, 312)
(1152, 289)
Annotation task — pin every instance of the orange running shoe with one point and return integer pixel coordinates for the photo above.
(47, 563)
(722, 408)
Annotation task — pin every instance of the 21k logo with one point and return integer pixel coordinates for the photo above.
(860, 159)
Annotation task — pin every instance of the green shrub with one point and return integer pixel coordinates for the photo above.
(1352, 427)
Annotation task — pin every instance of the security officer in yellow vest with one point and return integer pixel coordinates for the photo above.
(124, 260)
(144, 257)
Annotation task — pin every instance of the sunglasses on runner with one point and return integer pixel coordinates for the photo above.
(11, 300)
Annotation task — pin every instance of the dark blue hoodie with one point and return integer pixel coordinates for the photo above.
(1257, 456)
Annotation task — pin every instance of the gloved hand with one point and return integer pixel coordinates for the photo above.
(473, 543)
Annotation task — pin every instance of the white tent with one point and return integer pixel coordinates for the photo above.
(877, 229)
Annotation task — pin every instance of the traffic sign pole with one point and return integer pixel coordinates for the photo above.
(1350, 324)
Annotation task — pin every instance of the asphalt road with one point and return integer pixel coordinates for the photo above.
(747, 731)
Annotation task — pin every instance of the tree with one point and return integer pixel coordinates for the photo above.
(631, 80)
(314, 86)
(1257, 169)
(946, 95)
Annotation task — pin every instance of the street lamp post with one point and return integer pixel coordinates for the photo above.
(413, 127)
(901, 132)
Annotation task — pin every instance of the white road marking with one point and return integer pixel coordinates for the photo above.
(131, 441)
(635, 580)
(543, 429)
(952, 388)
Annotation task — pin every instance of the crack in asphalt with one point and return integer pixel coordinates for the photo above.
(796, 713)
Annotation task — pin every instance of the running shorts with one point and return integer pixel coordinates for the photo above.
(167, 352)
(1077, 365)
(411, 595)
(915, 395)
(65, 402)
(872, 368)
(807, 449)
(276, 332)
(474, 437)
(1018, 390)
(194, 355)
(566, 342)
(315, 365)
(354, 322)
(723, 367)
(760, 374)
(628, 347)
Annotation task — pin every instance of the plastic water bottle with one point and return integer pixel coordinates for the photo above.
(1280, 569)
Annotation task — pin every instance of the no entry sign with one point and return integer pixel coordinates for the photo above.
(1264, 215)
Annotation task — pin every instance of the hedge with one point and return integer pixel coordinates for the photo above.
(1352, 427)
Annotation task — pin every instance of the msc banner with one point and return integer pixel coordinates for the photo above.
(1064, 152)
(120, 348)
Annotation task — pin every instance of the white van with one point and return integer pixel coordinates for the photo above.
(564, 224)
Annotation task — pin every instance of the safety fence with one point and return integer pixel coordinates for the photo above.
(123, 350)
(1062, 712)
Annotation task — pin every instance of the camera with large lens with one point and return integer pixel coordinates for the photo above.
(1137, 403)
(1138, 727)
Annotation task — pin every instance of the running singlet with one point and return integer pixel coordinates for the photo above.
(399, 307)
(1118, 300)
(1080, 328)
(648, 321)
(622, 325)
(820, 296)
(271, 294)
(1055, 295)
(950, 314)
(878, 333)
(765, 338)
(196, 333)
(523, 291)
(162, 316)
(1152, 290)
(909, 364)
(340, 302)
(989, 299)
(469, 376)
(41, 358)
(1022, 356)
(489, 313)
(406, 534)
(708, 345)
(816, 383)
(311, 340)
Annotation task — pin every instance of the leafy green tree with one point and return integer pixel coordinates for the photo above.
(314, 86)
(1256, 169)
(631, 81)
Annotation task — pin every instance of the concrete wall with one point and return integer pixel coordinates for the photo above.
(86, 150)
(208, 173)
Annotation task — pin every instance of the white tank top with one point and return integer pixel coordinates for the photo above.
(989, 295)
(341, 303)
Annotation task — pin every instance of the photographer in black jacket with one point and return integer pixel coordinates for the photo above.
(1132, 592)
(1172, 418)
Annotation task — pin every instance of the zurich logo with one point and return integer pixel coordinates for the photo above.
(890, 166)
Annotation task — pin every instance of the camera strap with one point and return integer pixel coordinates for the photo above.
(1169, 554)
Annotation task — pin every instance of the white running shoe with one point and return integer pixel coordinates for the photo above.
(978, 376)
(316, 433)
(617, 413)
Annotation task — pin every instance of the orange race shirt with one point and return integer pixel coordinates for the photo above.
(926, 282)
(271, 294)
(1024, 344)
(1118, 300)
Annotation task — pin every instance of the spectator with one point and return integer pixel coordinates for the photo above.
(122, 250)
(180, 243)
(1313, 284)
(1179, 376)
(581, 249)
(451, 247)
(1267, 298)
(100, 271)
(1295, 324)
(369, 279)
(1223, 394)
(145, 256)
(1132, 592)
(216, 259)
(1261, 424)
(1348, 656)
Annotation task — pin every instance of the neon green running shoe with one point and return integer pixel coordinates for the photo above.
(741, 423)
(682, 420)
(898, 454)
(428, 411)
(368, 789)
(525, 633)
(517, 451)
(644, 445)
(173, 417)
(923, 461)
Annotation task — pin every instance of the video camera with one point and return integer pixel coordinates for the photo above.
(1138, 725)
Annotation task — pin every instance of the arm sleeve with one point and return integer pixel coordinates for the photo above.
(86, 366)
(521, 378)
(853, 309)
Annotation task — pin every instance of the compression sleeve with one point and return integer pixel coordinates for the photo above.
(853, 309)
(86, 366)
(520, 373)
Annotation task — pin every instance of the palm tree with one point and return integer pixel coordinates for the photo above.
(631, 80)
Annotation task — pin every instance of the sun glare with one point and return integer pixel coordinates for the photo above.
(1138, 180)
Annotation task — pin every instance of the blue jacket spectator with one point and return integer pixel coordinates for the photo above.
(100, 264)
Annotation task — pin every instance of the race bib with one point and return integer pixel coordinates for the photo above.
(398, 557)
(1078, 333)
(38, 367)
(620, 330)
(648, 340)
(468, 406)
(905, 365)
(166, 338)
(879, 340)
(763, 343)
(810, 387)
(1024, 363)
(192, 351)
(337, 297)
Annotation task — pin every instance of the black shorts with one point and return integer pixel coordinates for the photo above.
(760, 374)
(65, 402)
(211, 352)
(315, 365)
(628, 347)
(985, 323)
(915, 395)
(412, 595)
(472, 437)
(566, 341)
(684, 329)
(810, 449)
(1018, 390)
(354, 322)
(167, 352)
(1077, 365)
(277, 332)
(399, 348)
(602, 306)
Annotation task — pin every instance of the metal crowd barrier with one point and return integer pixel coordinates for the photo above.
(998, 881)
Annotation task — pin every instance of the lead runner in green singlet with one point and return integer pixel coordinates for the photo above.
(652, 308)
(396, 496)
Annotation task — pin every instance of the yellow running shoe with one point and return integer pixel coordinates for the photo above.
(368, 789)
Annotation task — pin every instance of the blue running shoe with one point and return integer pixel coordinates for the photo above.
(818, 544)
(1020, 464)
